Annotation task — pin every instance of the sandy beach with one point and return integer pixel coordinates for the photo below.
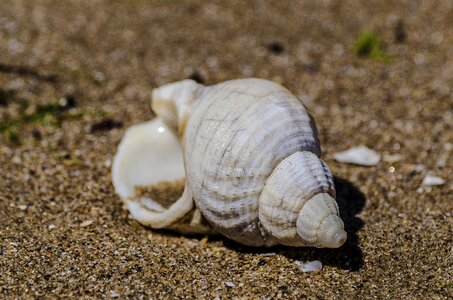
(75, 74)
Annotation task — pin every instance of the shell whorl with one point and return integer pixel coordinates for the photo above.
(239, 132)
(291, 209)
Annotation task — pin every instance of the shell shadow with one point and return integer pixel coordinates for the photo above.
(351, 202)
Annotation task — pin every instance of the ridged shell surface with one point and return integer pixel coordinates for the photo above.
(231, 156)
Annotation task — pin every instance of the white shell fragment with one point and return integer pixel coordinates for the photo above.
(250, 155)
(432, 180)
(392, 158)
(86, 223)
(312, 266)
(360, 155)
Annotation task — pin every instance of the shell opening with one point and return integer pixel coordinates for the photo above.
(150, 153)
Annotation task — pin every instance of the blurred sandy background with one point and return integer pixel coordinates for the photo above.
(75, 74)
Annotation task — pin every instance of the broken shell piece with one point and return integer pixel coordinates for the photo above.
(22, 207)
(149, 153)
(360, 155)
(432, 180)
(392, 158)
(86, 223)
(312, 266)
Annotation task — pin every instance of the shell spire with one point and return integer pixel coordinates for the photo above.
(297, 204)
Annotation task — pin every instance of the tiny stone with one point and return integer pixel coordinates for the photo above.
(391, 158)
(437, 38)
(52, 226)
(229, 284)
(432, 180)
(23, 207)
(269, 254)
(108, 163)
(86, 223)
(360, 155)
(419, 167)
(16, 159)
(442, 160)
(419, 58)
(261, 262)
(114, 294)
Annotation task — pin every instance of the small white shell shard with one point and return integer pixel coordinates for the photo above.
(312, 266)
(433, 180)
(360, 155)
(392, 158)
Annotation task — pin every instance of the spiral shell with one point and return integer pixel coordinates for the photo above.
(251, 161)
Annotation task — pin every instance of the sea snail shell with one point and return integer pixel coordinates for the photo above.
(250, 158)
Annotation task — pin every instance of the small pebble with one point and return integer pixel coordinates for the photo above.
(418, 167)
(392, 158)
(114, 294)
(432, 180)
(52, 226)
(360, 155)
(16, 160)
(448, 146)
(22, 207)
(86, 223)
(229, 284)
(108, 163)
(312, 266)
(261, 262)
